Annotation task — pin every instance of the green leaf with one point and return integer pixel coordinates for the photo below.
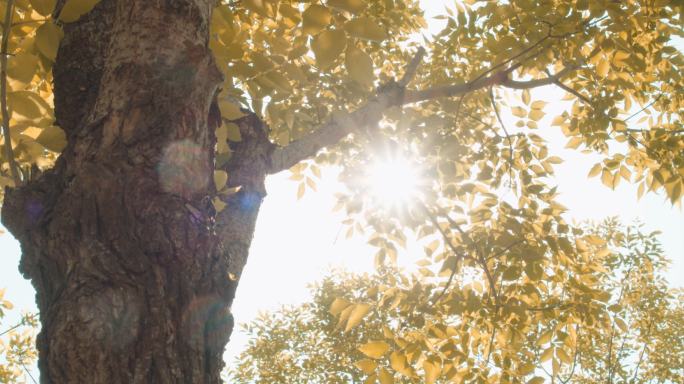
(315, 18)
(52, 138)
(359, 66)
(365, 28)
(375, 349)
(47, 40)
(74, 9)
(329, 47)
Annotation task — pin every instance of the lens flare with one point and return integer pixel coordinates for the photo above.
(393, 181)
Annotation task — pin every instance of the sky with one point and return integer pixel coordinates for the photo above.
(295, 242)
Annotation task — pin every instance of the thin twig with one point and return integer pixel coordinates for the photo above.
(646, 107)
(3, 94)
(572, 91)
(505, 250)
(574, 360)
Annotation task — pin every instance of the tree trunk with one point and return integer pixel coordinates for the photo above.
(131, 265)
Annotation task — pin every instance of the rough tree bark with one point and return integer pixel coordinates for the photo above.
(134, 271)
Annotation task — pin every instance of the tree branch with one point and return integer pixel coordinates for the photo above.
(496, 79)
(412, 68)
(391, 95)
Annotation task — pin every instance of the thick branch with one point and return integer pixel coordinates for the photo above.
(393, 94)
(412, 68)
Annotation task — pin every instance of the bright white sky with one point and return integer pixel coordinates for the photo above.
(295, 241)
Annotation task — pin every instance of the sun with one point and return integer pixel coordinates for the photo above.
(393, 181)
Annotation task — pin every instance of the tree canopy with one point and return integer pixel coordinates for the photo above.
(348, 83)
(615, 320)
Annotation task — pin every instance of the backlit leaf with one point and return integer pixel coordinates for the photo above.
(47, 40)
(315, 18)
(52, 138)
(367, 366)
(375, 349)
(357, 315)
(230, 111)
(385, 377)
(519, 111)
(329, 47)
(351, 6)
(365, 28)
(43, 7)
(359, 65)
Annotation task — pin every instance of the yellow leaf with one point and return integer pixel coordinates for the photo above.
(602, 68)
(546, 355)
(536, 114)
(220, 179)
(620, 323)
(231, 191)
(558, 120)
(295, 73)
(367, 366)
(563, 356)
(338, 305)
(545, 338)
(620, 57)
(400, 364)
(388, 332)
(351, 6)
(47, 40)
(595, 170)
(230, 111)
(554, 160)
(315, 19)
(385, 377)
(538, 105)
(2, 293)
(526, 97)
(526, 369)
(300, 191)
(256, 6)
(375, 349)
(52, 138)
(603, 253)
(357, 315)
(536, 380)
(218, 204)
(329, 47)
(365, 28)
(574, 142)
(432, 371)
(233, 132)
(7, 305)
(43, 7)
(73, 9)
(519, 111)
(359, 66)
(594, 240)
(21, 67)
(607, 178)
(372, 379)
